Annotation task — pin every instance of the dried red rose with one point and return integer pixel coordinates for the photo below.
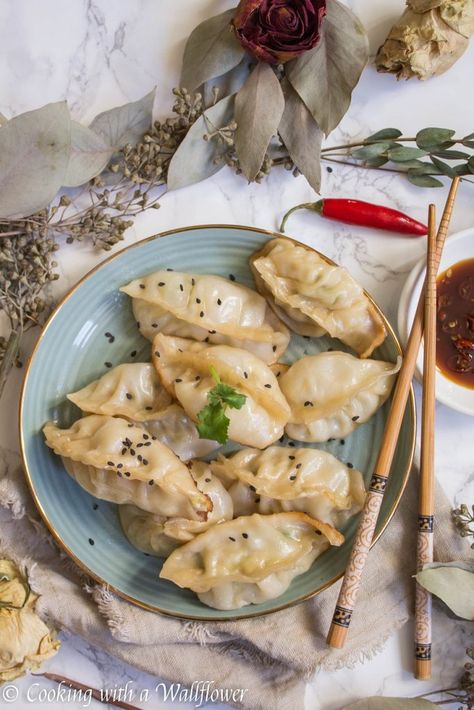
(278, 30)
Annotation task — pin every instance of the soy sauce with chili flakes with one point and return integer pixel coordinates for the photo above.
(455, 323)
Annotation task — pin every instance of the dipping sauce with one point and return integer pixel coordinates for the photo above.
(455, 323)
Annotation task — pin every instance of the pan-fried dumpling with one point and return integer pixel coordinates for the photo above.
(183, 367)
(249, 559)
(314, 297)
(207, 308)
(131, 390)
(158, 535)
(125, 450)
(332, 393)
(281, 478)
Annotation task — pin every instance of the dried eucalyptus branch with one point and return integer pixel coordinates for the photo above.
(463, 518)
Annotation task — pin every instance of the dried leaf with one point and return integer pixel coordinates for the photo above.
(400, 155)
(421, 180)
(384, 134)
(325, 76)
(88, 157)
(194, 159)
(228, 83)
(302, 136)
(452, 154)
(125, 124)
(258, 110)
(379, 703)
(443, 167)
(373, 150)
(431, 138)
(211, 50)
(34, 153)
(453, 583)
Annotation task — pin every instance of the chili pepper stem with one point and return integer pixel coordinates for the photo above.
(315, 206)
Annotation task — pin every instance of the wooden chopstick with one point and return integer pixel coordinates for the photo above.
(426, 499)
(363, 538)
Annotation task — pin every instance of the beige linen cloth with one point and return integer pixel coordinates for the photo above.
(271, 656)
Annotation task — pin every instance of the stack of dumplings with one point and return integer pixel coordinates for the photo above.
(238, 528)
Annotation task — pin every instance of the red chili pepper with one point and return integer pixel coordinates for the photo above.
(364, 214)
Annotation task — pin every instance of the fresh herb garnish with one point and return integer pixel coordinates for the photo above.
(212, 422)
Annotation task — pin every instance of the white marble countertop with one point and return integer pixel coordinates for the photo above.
(98, 54)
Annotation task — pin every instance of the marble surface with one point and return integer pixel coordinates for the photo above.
(97, 54)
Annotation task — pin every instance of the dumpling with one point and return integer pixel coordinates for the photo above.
(131, 390)
(280, 479)
(207, 308)
(332, 393)
(158, 535)
(313, 296)
(178, 432)
(125, 450)
(183, 367)
(249, 559)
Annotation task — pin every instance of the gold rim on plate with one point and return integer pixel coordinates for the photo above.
(49, 525)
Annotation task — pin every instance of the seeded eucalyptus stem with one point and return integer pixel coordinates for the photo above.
(10, 356)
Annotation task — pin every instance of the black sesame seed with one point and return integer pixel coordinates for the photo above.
(179, 350)
(119, 474)
(274, 347)
(91, 541)
(245, 535)
(318, 532)
(219, 302)
(129, 396)
(154, 325)
(169, 269)
(148, 409)
(306, 337)
(252, 488)
(197, 378)
(151, 482)
(145, 436)
(343, 442)
(132, 451)
(139, 457)
(201, 314)
(145, 462)
(208, 480)
(127, 473)
(95, 506)
(268, 386)
(354, 419)
(298, 465)
(161, 283)
(138, 324)
(198, 300)
(142, 285)
(257, 499)
(331, 439)
(232, 277)
(108, 364)
(232, 538)
(212, 332)
(108, 335)
(181, 287)
(148, 443)
(281, 438)
(291, 443)
(329, 169)
(206, 340)
(246, 375)
(291, 457)
(110, 463)
(350, 465)
(193, 282)
(120, 465)
(154, 438)
(308, 403)
(139, 445)
(178, 379)
(133, 353)
(124, 451)
(292, 478)
(157, 353)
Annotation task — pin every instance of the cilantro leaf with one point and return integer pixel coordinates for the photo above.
(212, 423)
(212, 420)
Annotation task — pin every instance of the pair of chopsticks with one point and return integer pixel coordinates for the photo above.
(368, 520)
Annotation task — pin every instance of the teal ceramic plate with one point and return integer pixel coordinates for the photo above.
(73, 350)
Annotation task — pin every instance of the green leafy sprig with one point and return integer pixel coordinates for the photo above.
(212, 420)
(432, 154)
(463, 518)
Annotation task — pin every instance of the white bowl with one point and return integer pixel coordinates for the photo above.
(458, 247)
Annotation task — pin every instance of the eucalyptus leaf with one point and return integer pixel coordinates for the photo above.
(443, 167)
(379, 703)
(468, 144)
(88, 157)
(421, 166)
(384, 134)
(325, 76)
(468, 137)
(453, 584)
(423, 180)
(125, 124)
(302, 136)
(258, 110)
(452, 154)
(375, 162)
(470, 164)
(228, 83)
(400, 155)
(462, 169)
(34, 153)
(211, 50)
(429, 138)
(194, 160)
(373, 150)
